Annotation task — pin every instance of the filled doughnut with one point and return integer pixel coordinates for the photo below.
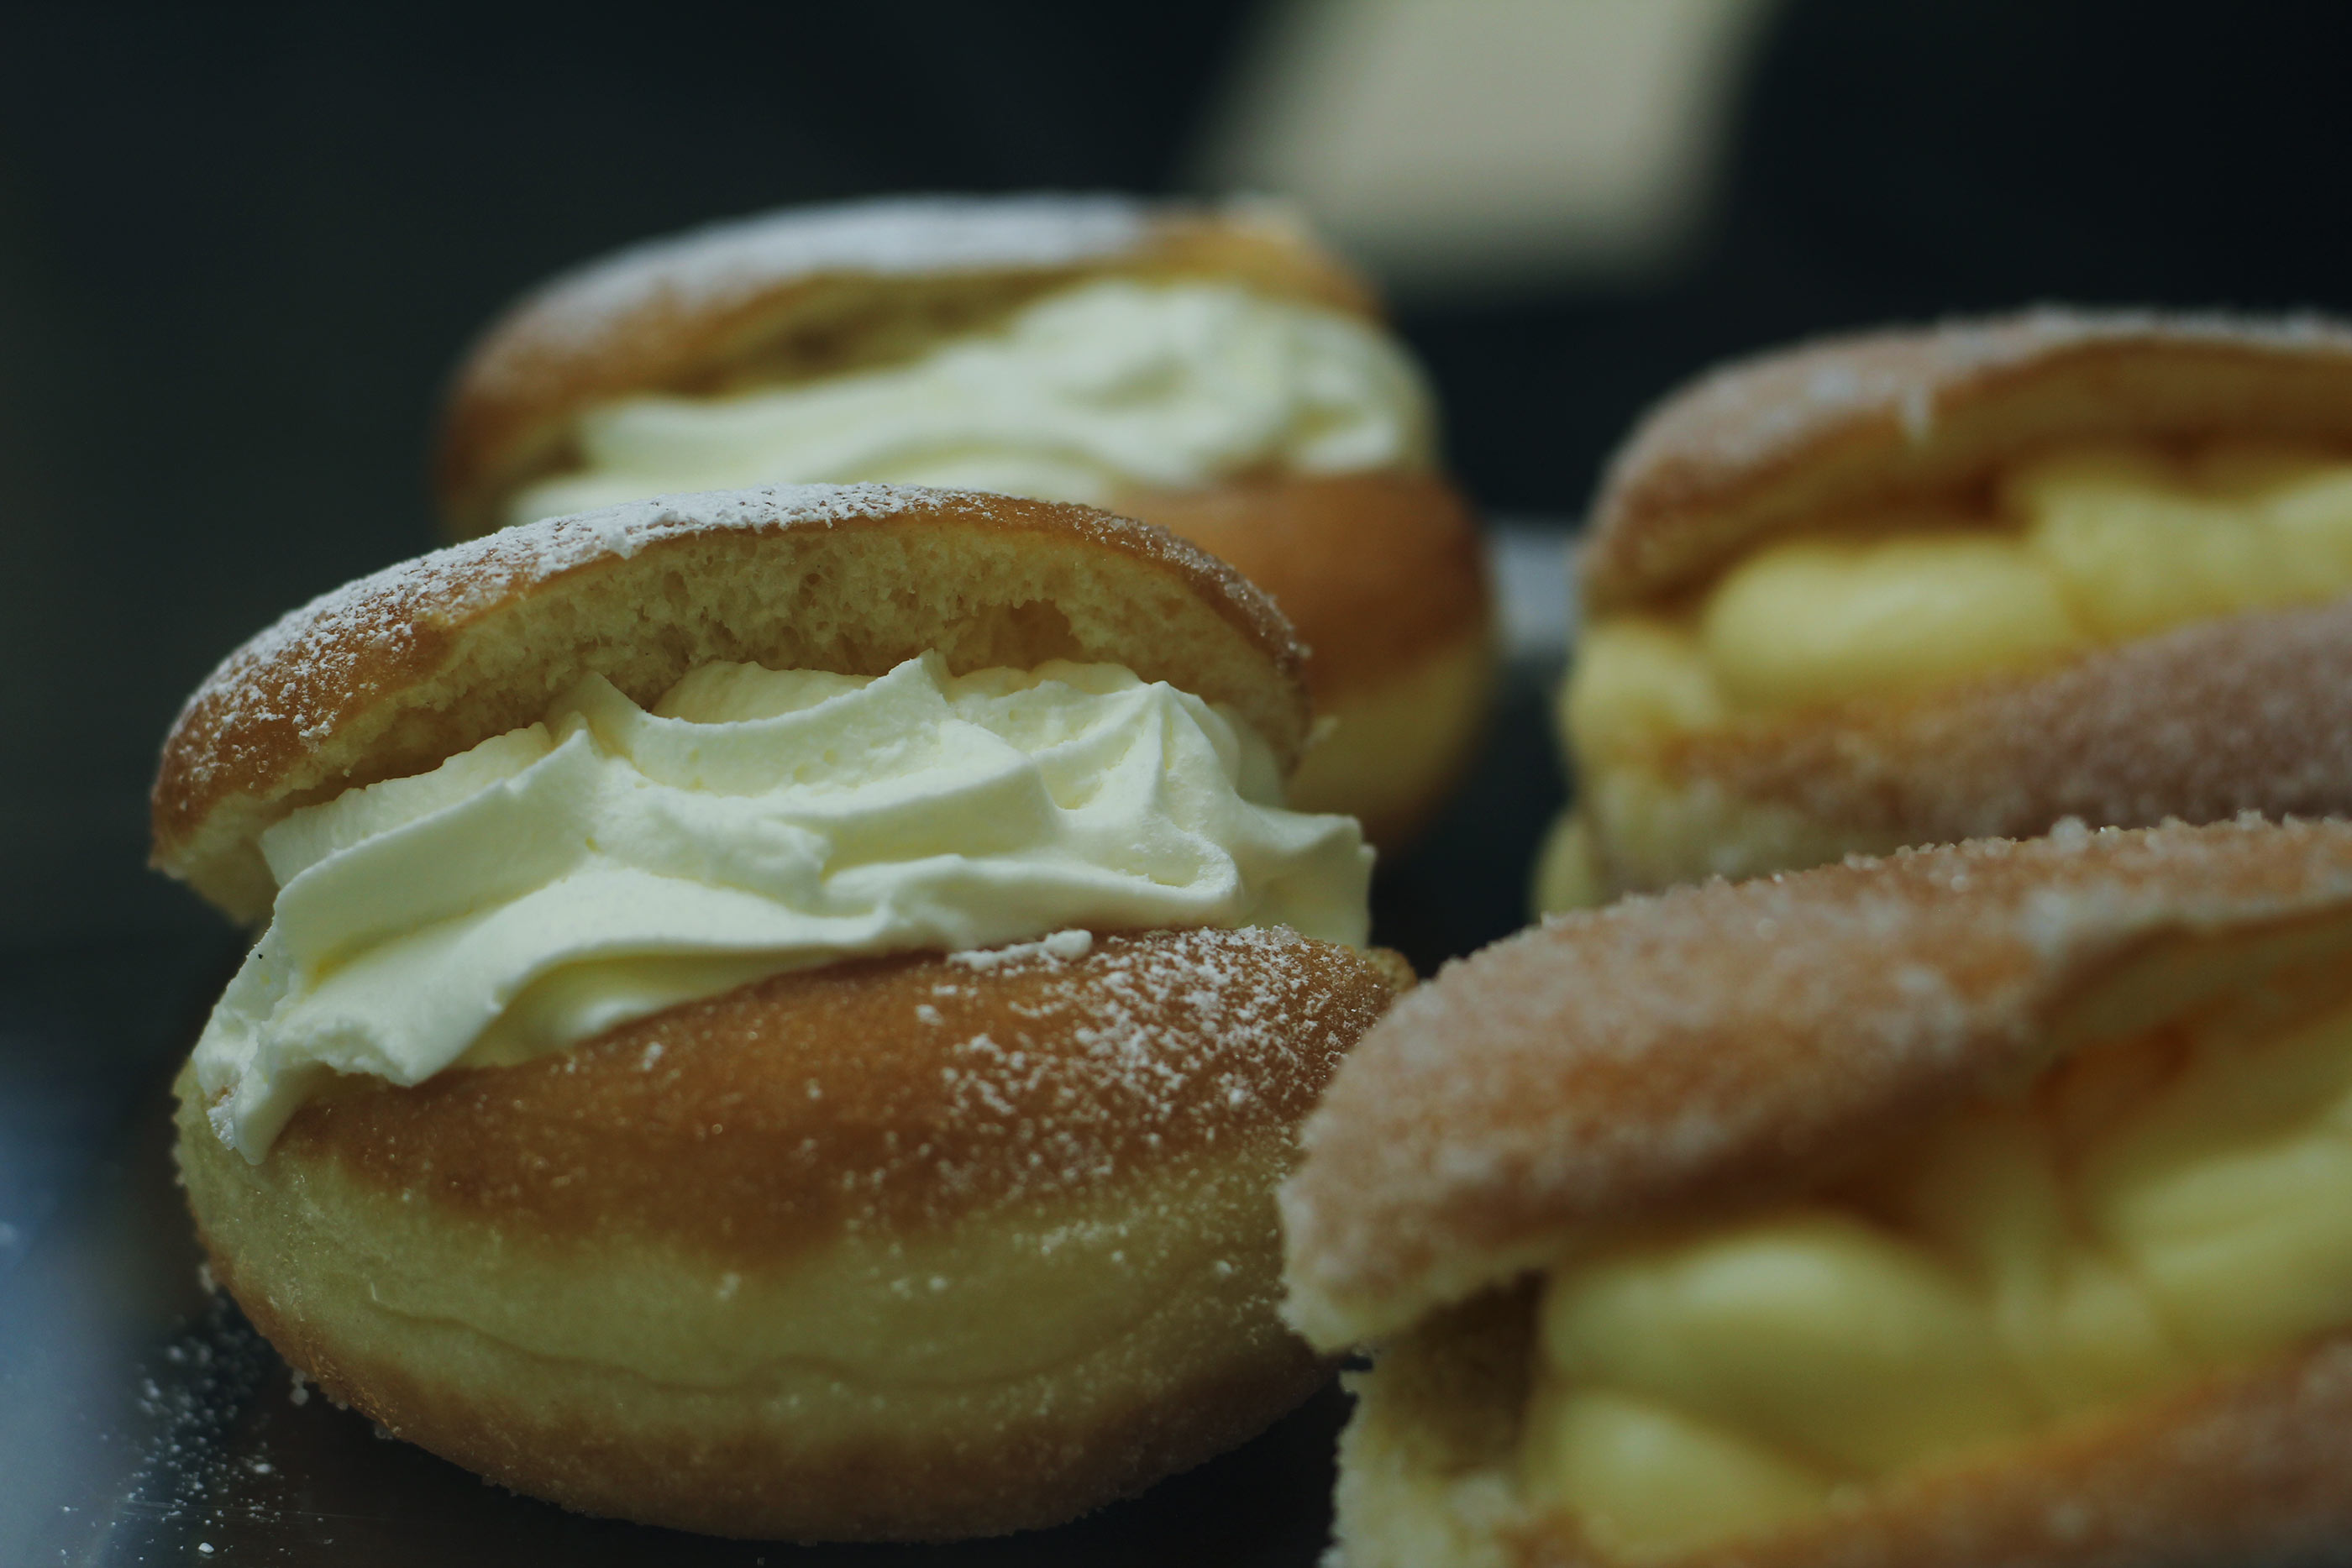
(1986, 1204)
(780, 1011)
(1919, 586)
(1211, 369)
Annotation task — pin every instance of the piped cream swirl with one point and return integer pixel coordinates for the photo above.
(1106, 387)
(573, 874)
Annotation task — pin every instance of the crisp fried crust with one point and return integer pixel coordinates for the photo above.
(917, 1248)
(810, 291)
(1847, 424)
(390, 674)
(1730, 1044)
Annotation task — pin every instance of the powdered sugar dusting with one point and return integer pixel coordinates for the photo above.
(1736, 1040)
(1733, 425)
(892, 1093)
(388, 607)
(1745, 413)
(710, 268)
(304, 670)
(1061, 945)
(2199, 723)
(1175, 1035)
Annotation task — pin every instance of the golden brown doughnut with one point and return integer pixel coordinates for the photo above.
(2197, 714)
(1676, 1072)
(387, 675)
(902, 1250)
(1380, 569)
(908, 1248)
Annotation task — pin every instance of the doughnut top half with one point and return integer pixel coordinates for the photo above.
(1669, 1057)
(810, 291)
(1836, 427)
(388, 676)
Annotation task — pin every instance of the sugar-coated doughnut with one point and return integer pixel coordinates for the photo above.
(1917, 586)
(1983, 1203)
(387, 675)
(911, 1248)
(947, 1226)
(1217, 373)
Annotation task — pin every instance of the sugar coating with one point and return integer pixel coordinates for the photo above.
(340, 629)
(2245, 713)
(1073, 944)
(713, 267)
(1730, 1044)
(895, 1093)
(1745, 413)
(391, 674)
(1177, 1033)
(1750, 423)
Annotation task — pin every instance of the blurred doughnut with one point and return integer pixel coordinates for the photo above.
(1210, 370)
(1919, 586)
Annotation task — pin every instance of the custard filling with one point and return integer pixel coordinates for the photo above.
(2079, 550)
(2172, 1199)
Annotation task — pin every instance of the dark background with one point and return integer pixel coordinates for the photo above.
(240, 250)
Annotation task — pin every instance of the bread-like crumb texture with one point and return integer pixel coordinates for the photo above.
(389, 675)
(1834, 428)
(1730, 1044)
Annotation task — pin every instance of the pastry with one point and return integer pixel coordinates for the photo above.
(782, 1010)
(1919, 586)
(1986, 1204)
(1207, 369)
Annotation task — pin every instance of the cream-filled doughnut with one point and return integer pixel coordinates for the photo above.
(780, 1011)
(1210, 370)
(1921, 586)
(1983, 1204)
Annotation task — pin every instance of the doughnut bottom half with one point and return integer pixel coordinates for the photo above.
(903, 1250)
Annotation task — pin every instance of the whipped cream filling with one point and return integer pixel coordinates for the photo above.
(1106, 387)
(573, 874)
